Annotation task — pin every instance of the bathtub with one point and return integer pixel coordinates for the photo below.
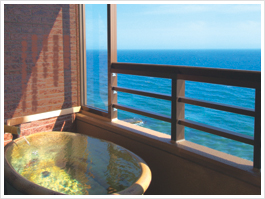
(73, 164)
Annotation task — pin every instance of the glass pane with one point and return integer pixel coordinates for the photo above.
(148, 84)
(156, 106)
(188, 26)
(231, 95)
(143, 83)
(203, 35)
(146, 122)
(220, 119)
(222, 144)
(96, 55)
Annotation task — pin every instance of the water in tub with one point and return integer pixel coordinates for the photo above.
(74, 164)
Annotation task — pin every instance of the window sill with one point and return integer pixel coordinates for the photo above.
(221, 162)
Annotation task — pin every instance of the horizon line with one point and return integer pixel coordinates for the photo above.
(189, 49)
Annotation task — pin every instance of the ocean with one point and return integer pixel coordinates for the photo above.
(229, 59)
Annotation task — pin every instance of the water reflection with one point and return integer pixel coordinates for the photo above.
(74, 164)
(122, 176)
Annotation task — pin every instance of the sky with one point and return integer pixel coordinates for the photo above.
(177, 26)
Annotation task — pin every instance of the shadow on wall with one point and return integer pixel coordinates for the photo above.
(37, 59)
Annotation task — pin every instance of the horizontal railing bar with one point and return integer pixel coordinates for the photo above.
(242, 78)
(94, 110)
(218, 131)
(144, 93)
(143, 73)
(142, 112)
(222, 81)
(218, 106)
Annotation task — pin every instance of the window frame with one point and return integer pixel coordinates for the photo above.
(178, 75)
(111, 113)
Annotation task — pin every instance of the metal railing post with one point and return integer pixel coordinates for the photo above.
(173, 109)
(83, 78)
(112, 57)
(177, 109)
(257, 129)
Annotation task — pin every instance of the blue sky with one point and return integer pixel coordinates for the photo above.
(178, 26)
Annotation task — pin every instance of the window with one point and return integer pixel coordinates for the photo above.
(96, 55)
(162, 87)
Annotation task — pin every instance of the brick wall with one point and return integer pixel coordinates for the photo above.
(41, 50)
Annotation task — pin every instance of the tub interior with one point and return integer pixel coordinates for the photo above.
(74, 164)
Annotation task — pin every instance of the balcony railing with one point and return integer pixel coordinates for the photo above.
(178, 75)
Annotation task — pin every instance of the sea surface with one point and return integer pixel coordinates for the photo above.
(229, 59)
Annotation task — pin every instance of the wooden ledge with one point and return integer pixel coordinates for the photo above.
(221, 162)
(41, 116)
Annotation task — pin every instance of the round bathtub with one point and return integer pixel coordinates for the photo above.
(73, 164)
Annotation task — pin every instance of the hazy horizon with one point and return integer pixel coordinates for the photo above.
(177, 26)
